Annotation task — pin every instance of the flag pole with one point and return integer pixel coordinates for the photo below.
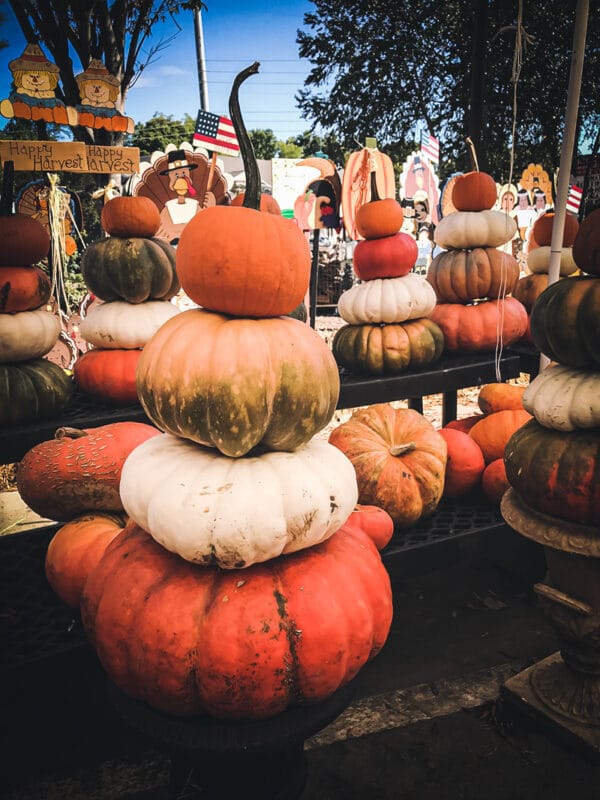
(201, 60)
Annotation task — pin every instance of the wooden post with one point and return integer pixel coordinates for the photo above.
(314, 276)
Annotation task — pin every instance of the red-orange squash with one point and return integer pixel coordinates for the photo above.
(79, 470)
(494, 430)
(475, 328)
(236, 644)
(75, 550)
(23, 289)
(399, 458)
(586, 247)
(387, 257)
(375, 522)
(544, 224)
(23, 240)
(500, 397)
(130, 217)
(494, 481)
(464, 465)
(464, 424)
(474, 191)
(459, 276)
(108, 375)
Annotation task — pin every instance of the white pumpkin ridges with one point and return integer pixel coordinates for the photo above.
(212, 509)
(387, 300)
(27, 334)
(564, 399)
(125, 326)
(470, 229)
(538, 260)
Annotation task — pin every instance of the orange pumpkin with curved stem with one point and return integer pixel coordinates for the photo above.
(474, 191)
(379, 217)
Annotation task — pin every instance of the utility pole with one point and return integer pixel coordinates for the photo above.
(200, 60)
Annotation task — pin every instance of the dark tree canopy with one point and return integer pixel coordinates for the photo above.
(383, 69)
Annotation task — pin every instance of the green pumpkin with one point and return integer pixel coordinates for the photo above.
(134, 270)
(388, 349)
(565, 322)
(32, 390)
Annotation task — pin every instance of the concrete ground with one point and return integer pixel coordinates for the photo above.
(425, 722)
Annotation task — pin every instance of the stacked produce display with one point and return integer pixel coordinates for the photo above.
(227, 592)
(473, 279)
(388, 329)
(135, 275)
(33, 388)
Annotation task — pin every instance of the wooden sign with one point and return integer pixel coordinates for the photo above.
(69, 157)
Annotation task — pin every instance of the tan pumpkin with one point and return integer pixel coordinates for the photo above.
(538, 260)
(469, 229)
(459, 276)
(399, 458)
(387, 300)
(529, 288)
(477, 328)
(27, 334)
(121, 325)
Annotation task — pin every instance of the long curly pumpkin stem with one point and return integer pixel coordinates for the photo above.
(374, 191)
(6, 200)
(252, 193)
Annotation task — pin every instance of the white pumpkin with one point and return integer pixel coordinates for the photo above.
(469, 229)
(27, 334)
(564, 399)
(234, 512)
(125, 326)
(538, 260)
(387, 300)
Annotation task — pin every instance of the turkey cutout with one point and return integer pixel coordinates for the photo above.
(319, 204)
(33, 200)
(181, 182)
(99, 92)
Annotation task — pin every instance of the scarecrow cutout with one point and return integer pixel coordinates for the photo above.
(34, 85)
(99, 90)
(33, 200)
(319, 204)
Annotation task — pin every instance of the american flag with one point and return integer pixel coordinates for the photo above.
(216, 133)
(430, 147)
(574, 199)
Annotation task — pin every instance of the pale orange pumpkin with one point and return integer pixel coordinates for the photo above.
(494, 430)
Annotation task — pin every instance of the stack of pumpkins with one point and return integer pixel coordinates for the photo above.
(530, 286)
(553, 462)
(473, 278)
(212, 599)
(388, 329)
(134, 274)
(33, 388)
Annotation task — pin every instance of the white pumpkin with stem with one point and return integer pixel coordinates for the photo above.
(469, 229)
(118, 325)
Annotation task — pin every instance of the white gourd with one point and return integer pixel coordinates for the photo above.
(126, 326)
(538, 260)
(234, 512)
(469, 229)
(27, 334)
(564, 399)
(387, 300)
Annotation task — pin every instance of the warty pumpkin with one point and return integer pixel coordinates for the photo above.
(538, 260)
(388, 349)
(474, 191)
(32, 390)
(464, 464)
(133, 269)
(500, 397)
(235, 512)
(565, 322)
(235, 383)
(23, 289)
(108, 375)
(79, 470)
(127, 326)
(475, 328)
(470, 229)
(387, 300)
(239, 260)
(387, 257)
(564, 399)
(556, 472)
(27, 334)
(543, 227)
(459, 276)
(74, 551)
(586, 247)
(130, 217)
(236, 644)
(495, 429)
(399, 458)
(378, 217)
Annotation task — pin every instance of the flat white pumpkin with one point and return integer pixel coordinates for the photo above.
(125, 326)
(212, 509)
(27, 334)
(564, 399)
(387, 300)
(469, 229)
(538, 260)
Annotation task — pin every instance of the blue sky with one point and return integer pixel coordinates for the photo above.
(236, 33)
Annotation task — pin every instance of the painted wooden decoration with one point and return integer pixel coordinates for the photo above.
(99, 92)
(419, 191)
(319, 204)
(33, 200)
(356, 183)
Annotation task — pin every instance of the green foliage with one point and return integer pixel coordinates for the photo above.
(289, 149)
(159, 131)
(264, 143)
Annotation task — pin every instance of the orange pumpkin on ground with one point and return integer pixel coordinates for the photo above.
(399, 459)
(387, 257)
(544, 224)
(465, 424)
(474, 191)
(494, 430)
(108, 375)
(464, 465)
(500, 396)
(23, 289)
(127, 217)
(494, 481)
(474, 328)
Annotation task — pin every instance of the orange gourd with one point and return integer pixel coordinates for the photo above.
(127, 217)
(464, 465)
(474, 191)
(499, 397)
(542, 229)
(378, 217)
(494, 430)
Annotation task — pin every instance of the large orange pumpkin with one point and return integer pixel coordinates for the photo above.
(459, 276)
(476, 328)
(399, 458)
(127, 217)
(494, 430)
(108, 375)
(23, 289)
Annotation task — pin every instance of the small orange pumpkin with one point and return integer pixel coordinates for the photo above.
(494, 481)
(23, 289)
(499, 397)
(542, 229)
(128, 217)
(474, 191)
(378, 217)
(494, 430)
(464, 465)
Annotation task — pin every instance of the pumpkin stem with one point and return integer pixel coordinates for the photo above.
(252, 193)
(374, 191)
(6, 201)
(472, 154)
(401, 449)
(70, 433)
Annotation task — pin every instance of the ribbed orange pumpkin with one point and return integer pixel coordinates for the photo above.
(238, 260)
(474, 191)
(399, 458)
(108, 375)
(387, 257)
(23, 289)
(23, 240)
(379, 217)
(529, 288)
(127, 217)
(494, 430)
(494, 481)
(542, 229)
(459, 276)
(268, 203)
(586, 247)
(500, 397)
(465, 463)
(236, 644)
(75, 550)
(474, 328)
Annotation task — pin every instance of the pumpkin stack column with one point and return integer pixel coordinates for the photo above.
(472, 278)
(33, 388)
(134, 274)
(388, 329)
(553, 466)
(238, 558)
